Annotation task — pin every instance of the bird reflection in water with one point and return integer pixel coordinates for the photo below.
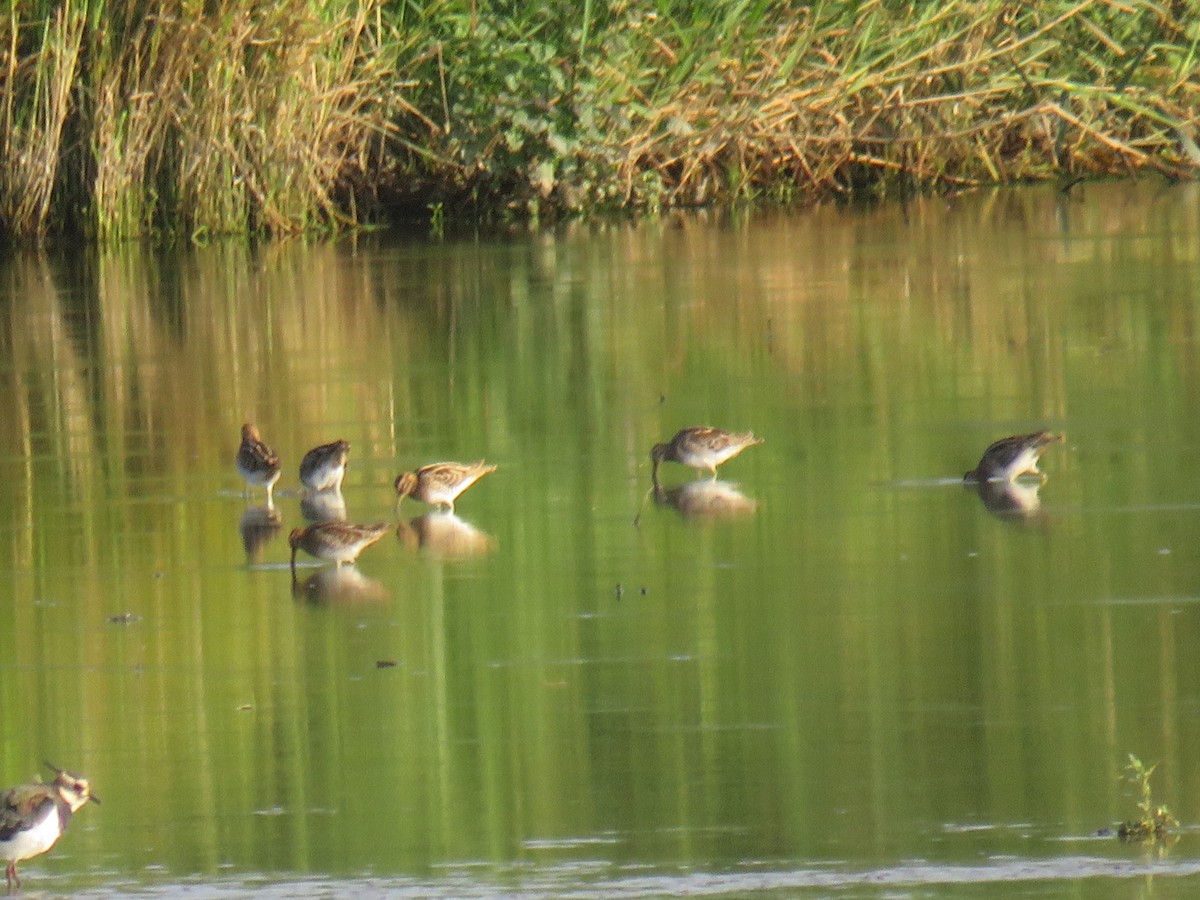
(324, 506)
(339, 586)
(444, 535)
(258, 525)
(705, 499)
(1013, 501)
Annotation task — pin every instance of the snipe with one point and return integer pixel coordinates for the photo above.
(256, 462)
(1012, 457)
(335, 542)
(440, 484)
(701, 448)
(324, 467)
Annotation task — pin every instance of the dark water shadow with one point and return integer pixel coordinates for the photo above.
(443, 535)
(339, 586)
(1010, 501)
(706, 499)
(323, 506)
(258, 526)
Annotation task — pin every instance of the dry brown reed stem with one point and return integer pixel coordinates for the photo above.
(37, 94)
(226, 118)
(890, 110)
(289, 116)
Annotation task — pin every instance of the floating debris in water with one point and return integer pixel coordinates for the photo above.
(384, 663)
(1155, 822)
(125, 618)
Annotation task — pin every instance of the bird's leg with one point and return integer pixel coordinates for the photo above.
(14, 880)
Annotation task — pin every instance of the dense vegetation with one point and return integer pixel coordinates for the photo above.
(121, 118)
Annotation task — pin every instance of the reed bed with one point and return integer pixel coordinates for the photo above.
(128, 119)
(125, 119)
(672, 103)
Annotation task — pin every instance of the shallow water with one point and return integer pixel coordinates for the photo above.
(837, 671)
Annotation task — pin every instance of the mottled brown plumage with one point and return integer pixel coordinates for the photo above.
(336, 542)
(701, 448)
(34, 816)
(324, 467)
(440, 484)
(1011, 457)
(256, 462)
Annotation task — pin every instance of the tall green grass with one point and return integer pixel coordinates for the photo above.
(123, 119)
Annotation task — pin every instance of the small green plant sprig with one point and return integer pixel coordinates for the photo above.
(1154, 823)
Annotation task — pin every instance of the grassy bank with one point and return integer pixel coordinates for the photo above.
(126, 119)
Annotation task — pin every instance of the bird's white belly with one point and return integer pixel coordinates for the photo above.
(1024, 461)
(32, 841)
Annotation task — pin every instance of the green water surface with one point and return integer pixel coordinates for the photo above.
(857, 680)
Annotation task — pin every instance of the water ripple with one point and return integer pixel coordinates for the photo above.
(584, 881)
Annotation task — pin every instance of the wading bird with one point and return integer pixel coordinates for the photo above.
(1012, 457)
(34, 816)
(439, 484)
(257, 462)
(335, 542)
(701, 448)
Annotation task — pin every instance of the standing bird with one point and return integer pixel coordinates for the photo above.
(1012, 457)
(701, 448)
(324, 467)
(440, 484)
(336, 542)
(34, 816)
(257, 462)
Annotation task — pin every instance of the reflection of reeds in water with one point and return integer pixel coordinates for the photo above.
(705, 498)
(258, 525)
(339, 586)
(202, 336)
(444, 535)
(1013, 501)
(324, 506)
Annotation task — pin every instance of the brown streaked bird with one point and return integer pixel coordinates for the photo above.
(701, 448)
(324, 467)
(34, 816)
(335, 542)
(257, 462)
(1012, 457)
(440, 484)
